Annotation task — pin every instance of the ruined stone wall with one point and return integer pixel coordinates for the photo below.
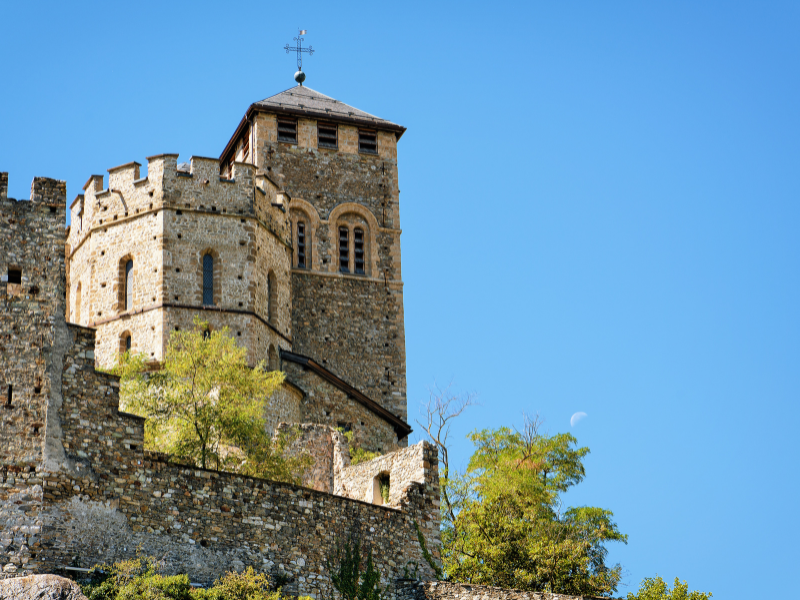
(328, 405)
(31, 245)
(413, 589)
(354, 324)
(327, 448)
(403, 467)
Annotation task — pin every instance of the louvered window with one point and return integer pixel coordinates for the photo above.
(287, 131)
(246, 147)
(344, 252)
(208, 280)
(129, 285)
(367, 141)
(301, 245)
(358, 242)
(327, 135)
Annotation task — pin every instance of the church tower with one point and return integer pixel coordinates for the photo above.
(338, 166)
(291, 240)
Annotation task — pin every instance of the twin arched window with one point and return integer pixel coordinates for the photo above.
(357, 263)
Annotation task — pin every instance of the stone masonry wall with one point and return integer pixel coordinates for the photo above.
(344, 321)
(412, 589)
(94, 495)
(328, 405)
(403, 467)
(165, 222)
(32, 243)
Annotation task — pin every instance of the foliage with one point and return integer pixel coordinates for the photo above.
(141, 579)
(247, 585)
(205, 406)
(347, 576)
(136, 579)
(656, 589)
(502, 520)
(357, 453)
(426, 554)
(384, 482)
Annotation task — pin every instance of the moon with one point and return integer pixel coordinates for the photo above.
(576, 417)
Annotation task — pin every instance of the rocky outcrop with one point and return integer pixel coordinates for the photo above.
(40, 587)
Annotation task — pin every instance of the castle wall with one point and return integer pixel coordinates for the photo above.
(32, 243)
(77, 487)
(413, 589)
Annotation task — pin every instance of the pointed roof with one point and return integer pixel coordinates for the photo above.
(301, 101)
(311, 102)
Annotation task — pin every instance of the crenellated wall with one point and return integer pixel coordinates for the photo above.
(165, 222)
(77, 487)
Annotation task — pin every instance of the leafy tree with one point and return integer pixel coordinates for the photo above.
(656, 589)
(503, 523)
(205, 406)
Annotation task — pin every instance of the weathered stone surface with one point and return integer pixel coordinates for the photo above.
(40, 587)
(410, 589)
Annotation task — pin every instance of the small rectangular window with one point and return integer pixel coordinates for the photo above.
(301, 245)
(287, 131)
(358, 241)
(327, 135)
(344, 251)
(14, 275)
(367, 141)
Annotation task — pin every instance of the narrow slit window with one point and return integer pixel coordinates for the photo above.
(358, 242)
(78, 304)
(15, 276)
(129, 285)
(344, 258)
(367, 141)
(208, 280)
(327, 135)
(287, 131)
(128, 343)
(246, 147)
(10, 394)
(301, 245)
(272, 298)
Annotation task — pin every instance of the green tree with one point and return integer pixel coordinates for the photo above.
(503, 523)
(205, 406)
(654, 588)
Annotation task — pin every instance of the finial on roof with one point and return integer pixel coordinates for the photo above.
(299, 77)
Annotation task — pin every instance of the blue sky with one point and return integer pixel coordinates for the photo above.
(599, 205)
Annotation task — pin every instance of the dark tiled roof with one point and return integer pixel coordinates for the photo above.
(311, 102)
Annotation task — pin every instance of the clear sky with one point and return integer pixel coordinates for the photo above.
(599, 209)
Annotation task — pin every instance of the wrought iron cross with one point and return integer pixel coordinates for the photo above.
(299, 48)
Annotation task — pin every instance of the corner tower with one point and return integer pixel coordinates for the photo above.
(338, 166)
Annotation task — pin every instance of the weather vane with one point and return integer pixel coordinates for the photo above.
(299, 77)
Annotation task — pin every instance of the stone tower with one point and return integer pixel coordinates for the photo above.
(291, 239)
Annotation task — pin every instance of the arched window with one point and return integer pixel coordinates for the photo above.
(301, 245)
(358, 242)
(344, 250)
(129, 284)
(208, 280)
(125, 342)
(272, 299)
(78, 304)
(273, 358)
